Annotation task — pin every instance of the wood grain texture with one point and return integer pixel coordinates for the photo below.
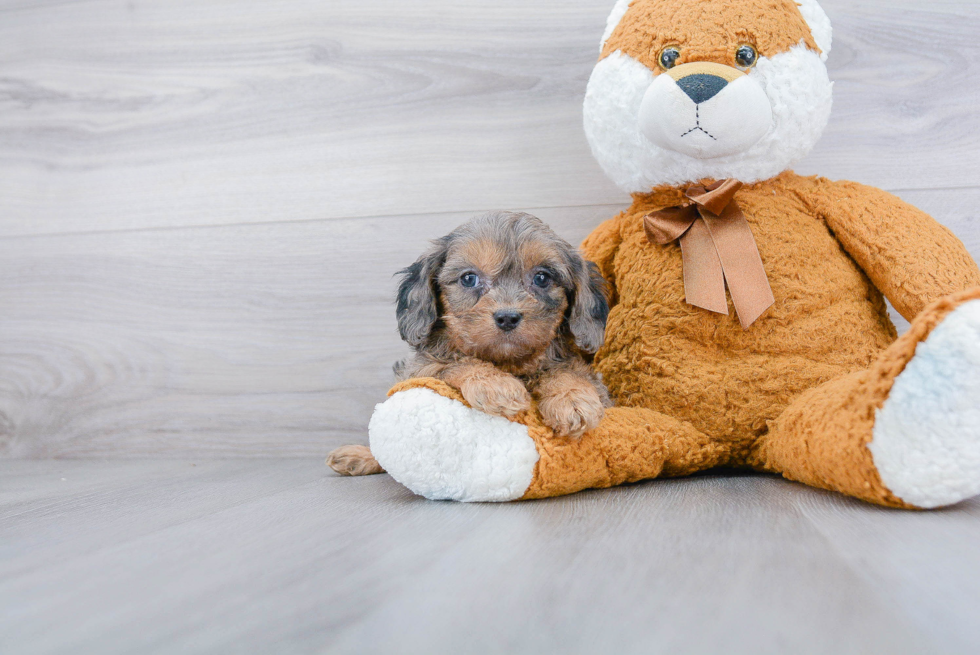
(122, 115)
(202, 204)
(282, 556)
(299, 141)
(253, 340)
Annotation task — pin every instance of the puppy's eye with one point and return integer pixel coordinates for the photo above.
(668, 57)
(746, 56)
(542, 279)
(469, 280)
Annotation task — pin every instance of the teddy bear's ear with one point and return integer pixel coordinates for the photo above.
(819, 24)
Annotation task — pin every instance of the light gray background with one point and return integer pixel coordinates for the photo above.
(202, 203)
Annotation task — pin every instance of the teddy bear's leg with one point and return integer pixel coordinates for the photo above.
(429, 440)
(904, 433)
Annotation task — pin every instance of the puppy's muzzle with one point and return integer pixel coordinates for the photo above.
(508, 320)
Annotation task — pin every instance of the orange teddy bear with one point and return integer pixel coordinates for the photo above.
(748, 325)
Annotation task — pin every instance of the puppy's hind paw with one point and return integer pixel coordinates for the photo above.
(354, 461)
(572, 414)
(502, 395)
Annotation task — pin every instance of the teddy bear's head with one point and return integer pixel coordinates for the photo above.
(693, 89)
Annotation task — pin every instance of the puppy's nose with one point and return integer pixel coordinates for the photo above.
(507, 320)
(702, 87)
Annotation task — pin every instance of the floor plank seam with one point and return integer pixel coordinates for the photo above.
(615, 207)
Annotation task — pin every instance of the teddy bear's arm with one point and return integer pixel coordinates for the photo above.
(601, 247)
(909, 256)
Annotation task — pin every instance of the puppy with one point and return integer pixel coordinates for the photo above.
(504, 310)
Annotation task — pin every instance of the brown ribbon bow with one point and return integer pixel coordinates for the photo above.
(717, 246)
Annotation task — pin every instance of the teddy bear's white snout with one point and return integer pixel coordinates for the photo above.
(704, 116)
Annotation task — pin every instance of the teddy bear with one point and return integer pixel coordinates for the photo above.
(748, 325)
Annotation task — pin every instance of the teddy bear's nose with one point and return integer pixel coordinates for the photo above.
(702, 87)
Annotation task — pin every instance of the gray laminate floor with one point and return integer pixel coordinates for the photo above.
(281, 556)
(202, 203)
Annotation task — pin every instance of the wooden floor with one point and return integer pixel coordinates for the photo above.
(202, 203)
(279, 556)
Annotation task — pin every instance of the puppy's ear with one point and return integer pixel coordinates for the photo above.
(418, 308)
(590, 306)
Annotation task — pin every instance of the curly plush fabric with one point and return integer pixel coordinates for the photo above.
(794, 81)
(431, 441)
(938, 394)
(648, 26)
(798, 393)
(828, 437)
(829, 319)
(819, 389)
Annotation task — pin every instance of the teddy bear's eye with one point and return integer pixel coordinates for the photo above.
(746, 56)
(668, 57)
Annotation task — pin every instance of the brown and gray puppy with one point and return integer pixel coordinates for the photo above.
(504, 310)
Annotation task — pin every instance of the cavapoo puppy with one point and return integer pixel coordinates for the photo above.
(504, 310)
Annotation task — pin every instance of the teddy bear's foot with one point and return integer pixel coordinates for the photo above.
(443, 450)
(926, 443)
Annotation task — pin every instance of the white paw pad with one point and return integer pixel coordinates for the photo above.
(444, 450)
(926, 443)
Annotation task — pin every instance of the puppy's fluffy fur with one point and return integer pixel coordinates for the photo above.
(504, 310)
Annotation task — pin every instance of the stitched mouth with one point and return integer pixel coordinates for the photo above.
(697, 126)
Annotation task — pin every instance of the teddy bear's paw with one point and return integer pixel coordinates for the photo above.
(572, 414)
(443, 450)
(926, 443)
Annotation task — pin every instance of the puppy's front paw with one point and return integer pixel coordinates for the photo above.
(501, 395)
(572, 413)
(354, 460)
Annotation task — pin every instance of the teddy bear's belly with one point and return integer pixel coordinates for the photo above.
(703, 368)
(730, 388)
